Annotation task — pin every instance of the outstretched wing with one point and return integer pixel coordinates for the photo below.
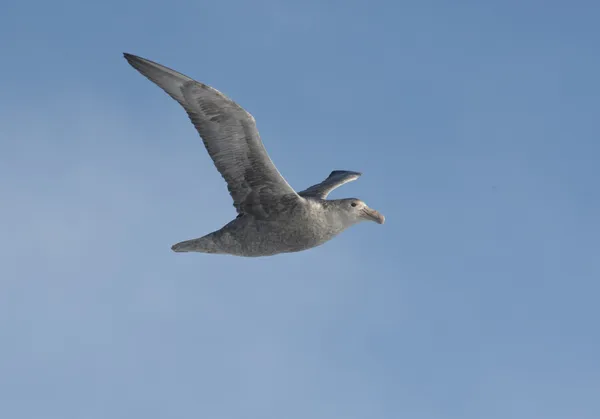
(230, 136)
(336, 179)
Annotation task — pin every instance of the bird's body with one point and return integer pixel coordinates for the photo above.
(272, 217)
(300, 225)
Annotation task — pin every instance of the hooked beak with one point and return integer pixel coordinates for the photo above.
(373, 215)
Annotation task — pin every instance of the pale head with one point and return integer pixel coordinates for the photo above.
(354, 211)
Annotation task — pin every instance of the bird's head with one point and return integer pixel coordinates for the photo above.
(355, 211)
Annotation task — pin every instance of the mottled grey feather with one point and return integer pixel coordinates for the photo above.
(335, 179)
(230, 136)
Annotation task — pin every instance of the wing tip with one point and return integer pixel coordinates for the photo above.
(345, 172)
(129, 57)
(133, 60)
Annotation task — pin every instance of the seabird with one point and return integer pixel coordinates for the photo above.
(272, 217)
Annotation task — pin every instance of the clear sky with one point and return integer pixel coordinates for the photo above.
(476, 125)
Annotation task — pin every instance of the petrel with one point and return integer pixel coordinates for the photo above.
(272, 217)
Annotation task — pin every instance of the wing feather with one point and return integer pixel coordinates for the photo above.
(231, 138)
(335, 179)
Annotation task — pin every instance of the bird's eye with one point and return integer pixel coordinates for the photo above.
(353, 204)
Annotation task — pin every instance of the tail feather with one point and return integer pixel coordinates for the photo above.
(202, 245)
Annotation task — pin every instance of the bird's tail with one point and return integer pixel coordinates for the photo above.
(204, 244)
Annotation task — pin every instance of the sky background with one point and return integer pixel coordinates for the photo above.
(476, 127)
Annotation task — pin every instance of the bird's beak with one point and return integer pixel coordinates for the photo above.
(373, 215)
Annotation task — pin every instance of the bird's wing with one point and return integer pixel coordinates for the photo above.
(230, 136)
(336, 179)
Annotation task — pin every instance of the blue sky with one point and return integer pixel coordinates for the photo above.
(475, 125)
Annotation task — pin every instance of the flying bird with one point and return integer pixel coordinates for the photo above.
(272, 217)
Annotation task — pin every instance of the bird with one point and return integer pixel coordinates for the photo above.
(272, 218)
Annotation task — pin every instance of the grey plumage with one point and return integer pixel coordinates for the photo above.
(272, 217)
